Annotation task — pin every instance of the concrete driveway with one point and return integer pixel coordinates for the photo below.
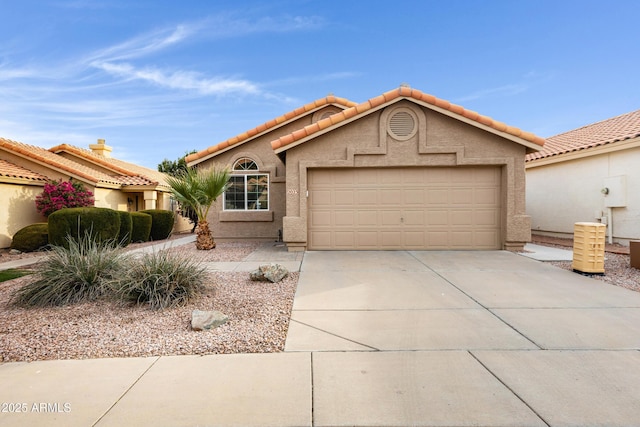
(464, 338)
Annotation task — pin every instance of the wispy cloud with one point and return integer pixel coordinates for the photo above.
(143, 45)
(187, 80)
(496, 92)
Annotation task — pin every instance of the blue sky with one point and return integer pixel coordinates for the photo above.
(158, 78)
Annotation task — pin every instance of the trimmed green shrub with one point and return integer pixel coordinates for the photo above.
(31, 238)
(162, 279)
(161, 224)
(102, 224)
(84, 270)
(141, 229)
(126, 226)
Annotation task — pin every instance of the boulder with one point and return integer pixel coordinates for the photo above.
(201, 320)
(269, 273)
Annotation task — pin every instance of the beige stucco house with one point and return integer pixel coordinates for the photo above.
(403, 170)
(590, 174)
(24, 169)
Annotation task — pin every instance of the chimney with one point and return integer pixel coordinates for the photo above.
(101, 148)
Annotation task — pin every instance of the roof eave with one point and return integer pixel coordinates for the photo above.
(582, 153)
(261, 133)
(530, 146)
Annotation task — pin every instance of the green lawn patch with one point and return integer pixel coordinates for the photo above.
(12, 274)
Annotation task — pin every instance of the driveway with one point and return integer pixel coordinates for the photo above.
(464, 338)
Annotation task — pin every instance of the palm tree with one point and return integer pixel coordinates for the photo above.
(198, 189)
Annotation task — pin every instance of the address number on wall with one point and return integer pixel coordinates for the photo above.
(292, 191)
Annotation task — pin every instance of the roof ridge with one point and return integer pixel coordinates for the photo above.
(406, 92)
(31, 153)
(92, 157)
(286, 117)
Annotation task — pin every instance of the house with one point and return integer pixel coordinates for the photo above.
(24, 169)
(590, 174)
(403, 170)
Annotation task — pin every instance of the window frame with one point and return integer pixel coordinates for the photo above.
(239, 170)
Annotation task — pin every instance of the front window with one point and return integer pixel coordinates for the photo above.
(247, 190)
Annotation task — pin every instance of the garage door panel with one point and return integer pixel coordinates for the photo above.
(462, 196)
(405, 208)
(344, 239)
(413, 196)
(390, 196)
(367, 240)
(487, 217)
(368, 218)
(344, 218)
(322, 239)
(437, 196)
(320, 219)
(344, 198)
(367, 197)
(321, 198)
(392, 218)
(391, 239)
(414, 217)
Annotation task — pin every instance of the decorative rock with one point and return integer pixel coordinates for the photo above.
(269, 272)
(14, 252)
(201, 320)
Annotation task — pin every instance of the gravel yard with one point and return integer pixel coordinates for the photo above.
(258, 320)
(616, 271)
(258, 313)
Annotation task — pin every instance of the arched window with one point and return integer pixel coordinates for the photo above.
(247, 190)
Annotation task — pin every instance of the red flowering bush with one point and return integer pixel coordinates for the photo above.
(63, 194)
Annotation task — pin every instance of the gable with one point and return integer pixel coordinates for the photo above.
(526, 139)
(315, 111)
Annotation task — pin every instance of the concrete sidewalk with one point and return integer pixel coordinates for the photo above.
(380, 338)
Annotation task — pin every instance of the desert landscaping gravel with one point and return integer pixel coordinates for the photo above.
(258, 313)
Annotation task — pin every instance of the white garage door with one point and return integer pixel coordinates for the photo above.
(404, 208)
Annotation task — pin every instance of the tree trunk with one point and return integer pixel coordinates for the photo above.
(204, 239)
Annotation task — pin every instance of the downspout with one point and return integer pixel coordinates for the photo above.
(610, 224)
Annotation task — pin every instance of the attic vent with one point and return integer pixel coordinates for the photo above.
(402, 125)
(327, 115)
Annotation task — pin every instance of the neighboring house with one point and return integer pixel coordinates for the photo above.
(24, 169)
(404, 170)
(590, 174)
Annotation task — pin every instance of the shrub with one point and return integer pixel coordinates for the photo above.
(31, 238)
(126, 227)
(141, 227)
(63, 194)
(102, 224)
(161, 223)
(162, 279)
(83, 271)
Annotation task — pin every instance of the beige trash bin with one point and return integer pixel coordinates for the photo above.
(588, 247)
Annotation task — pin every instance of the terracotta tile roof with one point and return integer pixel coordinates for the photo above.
(271, 124)
(146, 176)
(620, 128)
(10, 170)
(125, 173)
(134, 180)
(392, 96)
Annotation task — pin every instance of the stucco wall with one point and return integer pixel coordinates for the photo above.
(17, 210)
(561, 194)
(256, 224)
(440, 141)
